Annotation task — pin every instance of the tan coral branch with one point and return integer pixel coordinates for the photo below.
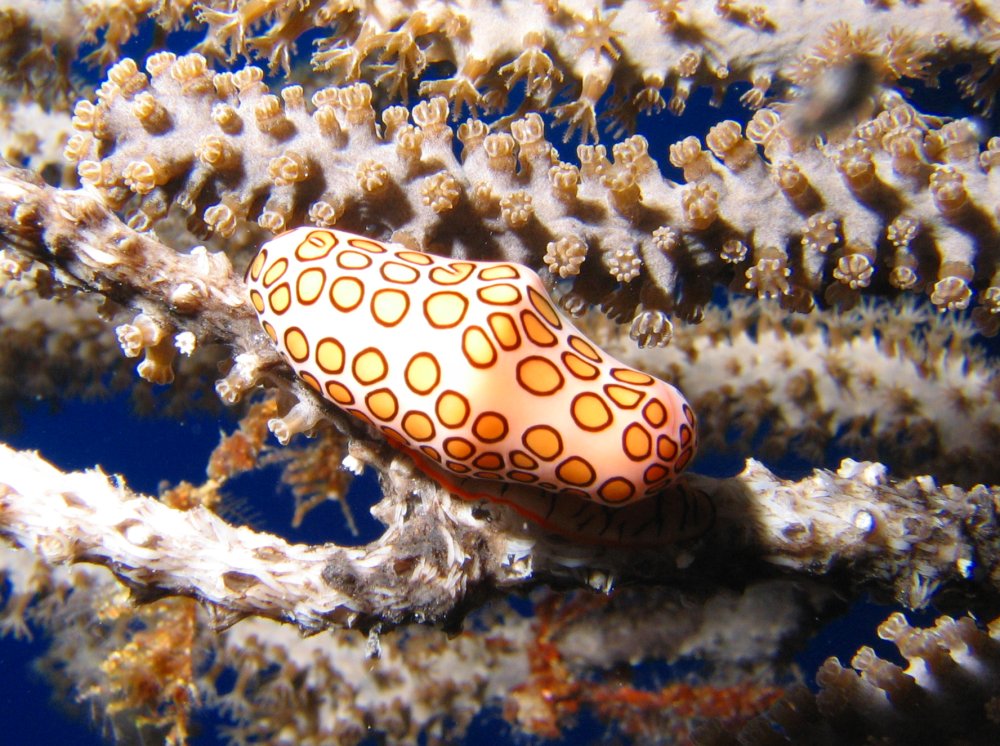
(441, 556)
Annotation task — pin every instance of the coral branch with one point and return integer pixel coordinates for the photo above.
(947, 692)
(440, 556)
(898, 202)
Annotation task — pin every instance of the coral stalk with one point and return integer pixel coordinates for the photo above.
(440, 554)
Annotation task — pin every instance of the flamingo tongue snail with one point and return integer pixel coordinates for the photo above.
(470, 368)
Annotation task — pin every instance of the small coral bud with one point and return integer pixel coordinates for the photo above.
(242, 377)
(409, 142)
(990, 158)
(625, 195)
(227, 118)
(143, 332)
(250, 81)
(633, 153)
(87, 117)
(432, 116)
(217, 152)
(326, 212)
(766, 129)
(326, 97)
(441, 192)
(688, 156)
(951, 292)
(667, 239)
(156, 367)
(500, 152)
(144, 176)
(270, 117)
(906, 151)
(107, 92)
(157, 64)
(293, 97)
(574, 304)
(300, 419)
(666, 13)
(225, 84)
(755, 97)
(855, 268)
(221, 219)
(792, 182)
(727, 142)
(947, 185)
(150, 113)
(393, 118)
(356, 101)
(78, 147)
(565, 255)
(904, 272)
(700, 203)
(273, 221)
(902, 230)
(820, 233)
(651, 328)
(955, 142)
(192, 72)
(991, 299)
(649, 99)
(186, 343)
(623, 263)
(125, 74)
(291, 167)
(530, 136)
(372, 176)
(565, 179)
(855, 164)
(471, 134)
(733, 251)
(688, 64)
(327, 122)
(678, 102)
(516, 209)
(593, 160)
(484, 198)
(769, 276)
(757, 18)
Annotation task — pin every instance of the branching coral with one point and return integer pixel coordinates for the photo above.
(635, 48)
(838, 190)
(272, 683)
(900, 539)
(901, 202)
(898, 384)
(950, 678)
